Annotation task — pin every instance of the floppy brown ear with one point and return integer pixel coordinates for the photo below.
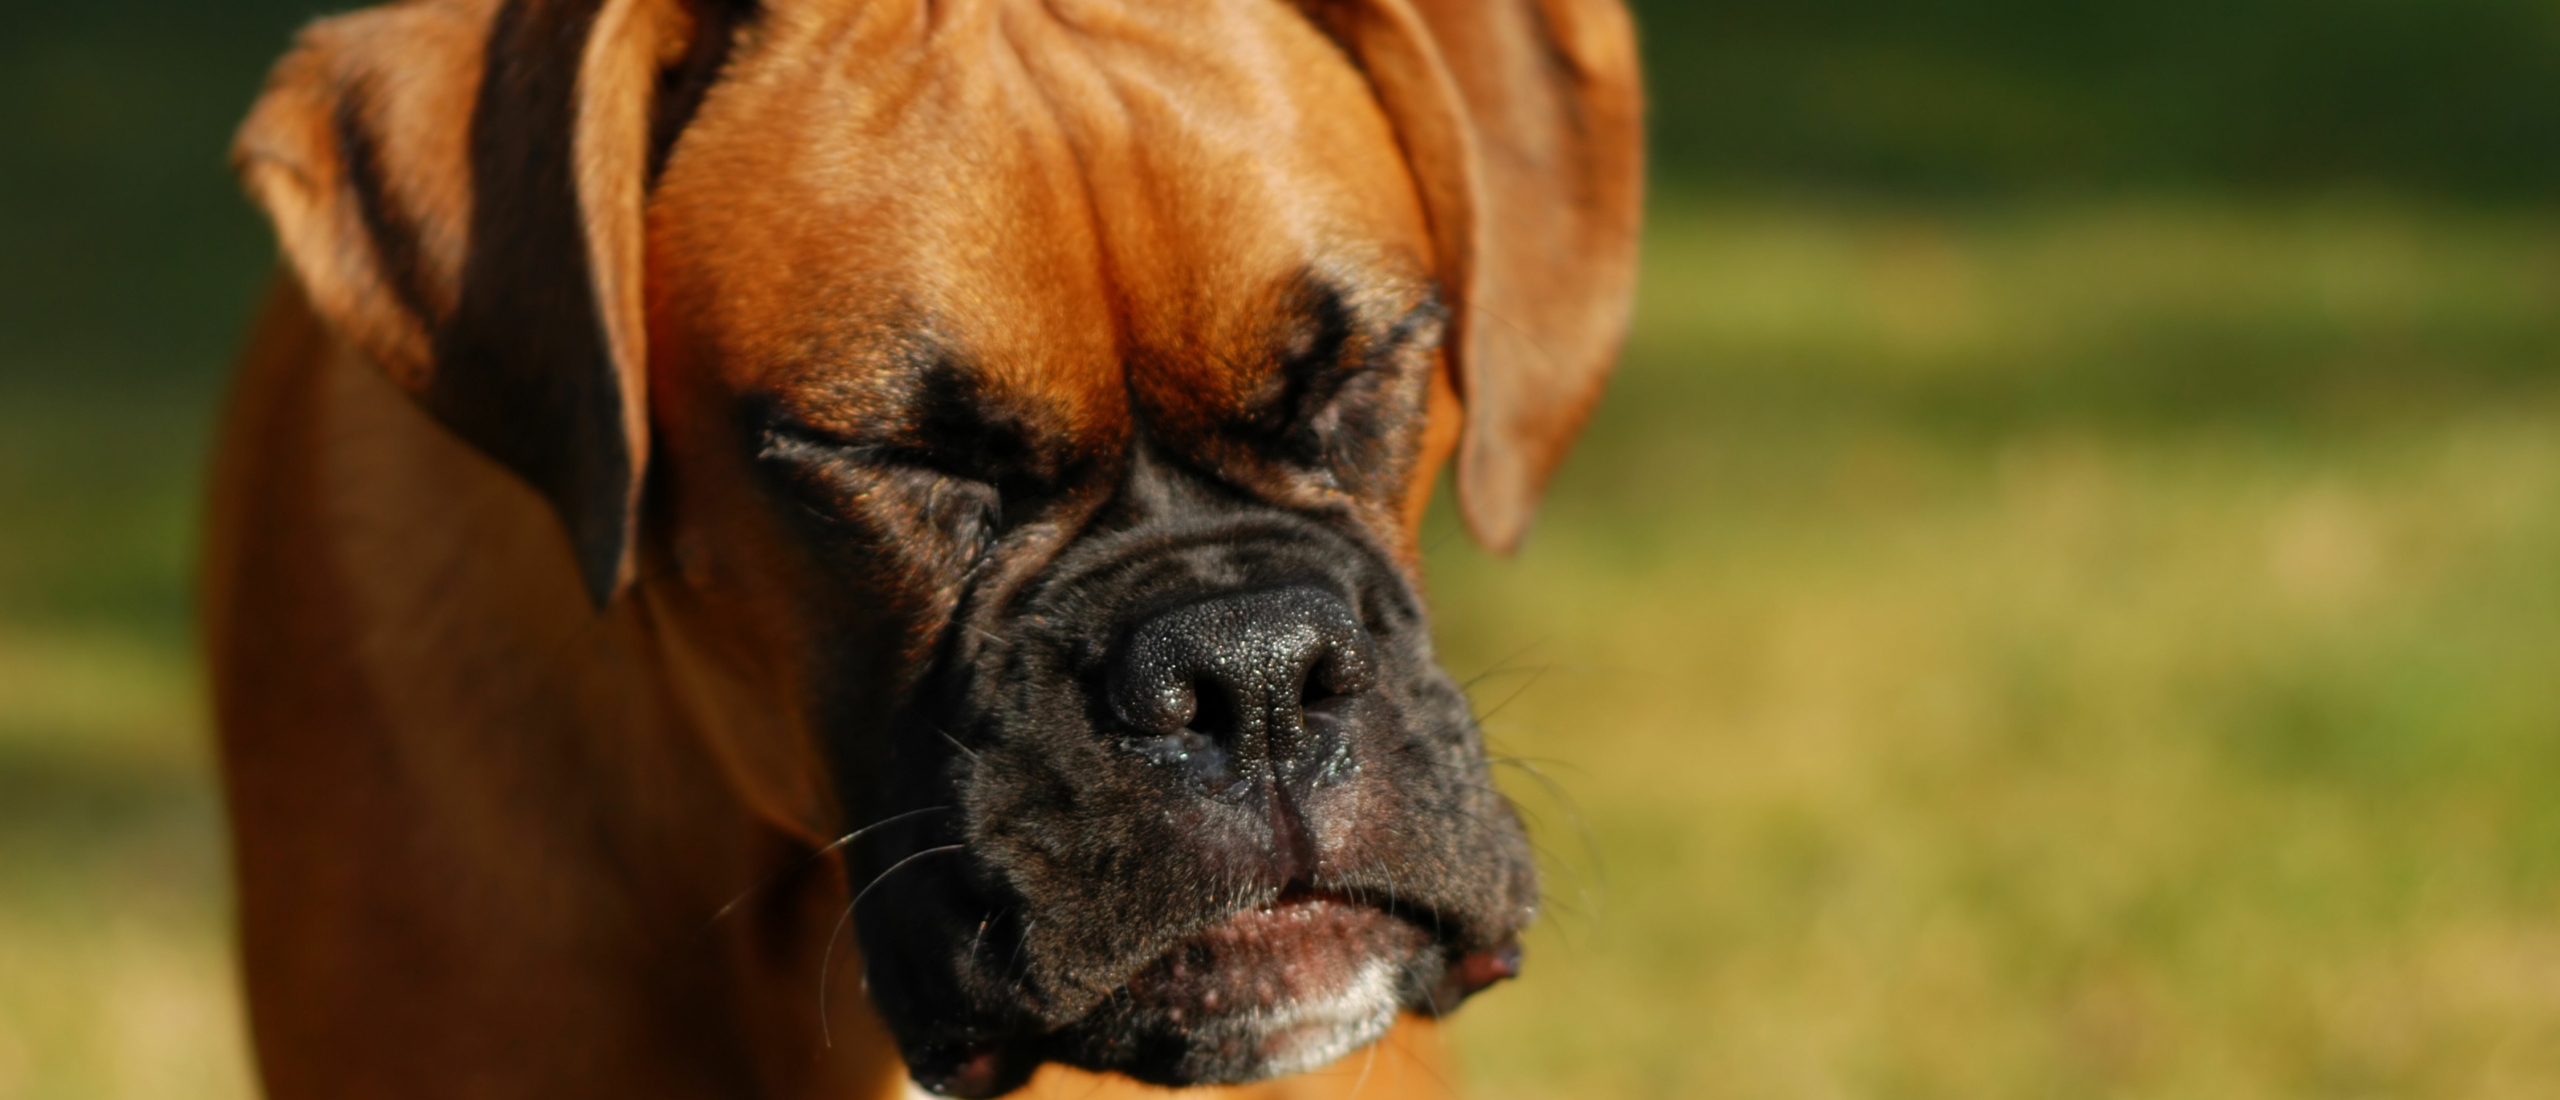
(458, 184)
(1523, 123)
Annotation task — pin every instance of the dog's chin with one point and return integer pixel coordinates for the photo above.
(1272, 990)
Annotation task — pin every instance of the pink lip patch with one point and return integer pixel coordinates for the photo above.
(1266, 959)
(1478, 969)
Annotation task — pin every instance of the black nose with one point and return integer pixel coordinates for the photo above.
(1228, 683)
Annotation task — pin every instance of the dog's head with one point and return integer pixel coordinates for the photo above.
(1031, 406)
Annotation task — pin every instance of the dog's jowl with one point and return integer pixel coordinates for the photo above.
(770, 548)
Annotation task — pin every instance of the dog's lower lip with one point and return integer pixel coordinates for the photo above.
(1282, 987)
(1302, 946)
(974, 1076)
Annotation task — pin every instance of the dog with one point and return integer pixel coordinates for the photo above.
(782, 548)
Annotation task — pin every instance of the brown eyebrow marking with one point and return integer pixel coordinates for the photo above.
(915, 399)
(958, 424)
(1326, 342)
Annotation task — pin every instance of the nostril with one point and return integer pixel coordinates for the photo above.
(1321, 701)
(1216, 714)
(1320, 704)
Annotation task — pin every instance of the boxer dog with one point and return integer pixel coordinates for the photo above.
(765, 548)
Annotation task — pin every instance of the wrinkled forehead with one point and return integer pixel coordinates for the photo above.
(1048, 195)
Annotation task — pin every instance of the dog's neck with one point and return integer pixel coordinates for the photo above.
(556, 768)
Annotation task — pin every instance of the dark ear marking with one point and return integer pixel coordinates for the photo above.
(458, 185)
(393, 235)
(682, 86)
(523, 370)
(1522, 121)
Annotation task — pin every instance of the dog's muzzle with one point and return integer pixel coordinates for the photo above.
(1224, 817)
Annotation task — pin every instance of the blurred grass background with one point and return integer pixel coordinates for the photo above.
(2062, 602)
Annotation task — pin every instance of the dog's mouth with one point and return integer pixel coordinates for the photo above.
(1274, 989)
(1282, 989)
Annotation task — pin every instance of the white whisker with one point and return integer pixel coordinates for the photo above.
(827, 962)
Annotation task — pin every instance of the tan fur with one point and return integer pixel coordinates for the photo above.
(494, 842)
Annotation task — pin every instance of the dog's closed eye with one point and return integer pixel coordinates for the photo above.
(1346, 373)
(856, 486)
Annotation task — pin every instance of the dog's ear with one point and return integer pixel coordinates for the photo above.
(1523, 123)
(458, 184)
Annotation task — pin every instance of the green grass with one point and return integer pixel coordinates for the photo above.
(2088, 650)
(114, 977)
